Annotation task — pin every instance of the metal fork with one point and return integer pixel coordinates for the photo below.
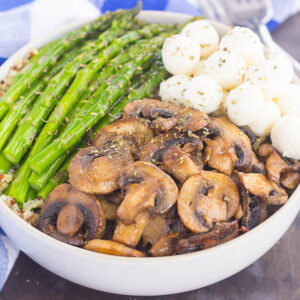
(251, 13)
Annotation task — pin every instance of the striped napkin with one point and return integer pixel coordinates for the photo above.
(24, 20)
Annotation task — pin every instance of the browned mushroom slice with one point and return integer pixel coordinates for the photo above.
(290, 179)
(130, 235)
(155, 150)
(275, 165)
(221, 233)
(166, 116)
(72, 216)
(147, 188)
(255, 166)
(207, 198)
(155, 229)
(96, 170)
(251, 209)
(165, 245)
(114, 197)
(136, 132)
(266, 190)
(229, 148)
(112, 248)
(109, 209)
(179, 164)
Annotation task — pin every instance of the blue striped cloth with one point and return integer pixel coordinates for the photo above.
(25, 20)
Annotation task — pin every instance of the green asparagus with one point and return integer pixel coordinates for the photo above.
(25, 134)
(76, 129)
(46, 59)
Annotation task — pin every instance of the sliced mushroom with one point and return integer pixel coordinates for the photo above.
(96, 170)
(135, 131)
(207, 198)
(130, 235)
(260, 186)
(164, 150)
(147, 188)
(166, 116)
(290, 179)
(228, 149)
(276, 166)
(251, 210)
(114, 197)
(221, 233)
(72, 216)
(155, 229)
(255, 166)
(165, 245)
(109, 209)
(112, 248)
(179, 164)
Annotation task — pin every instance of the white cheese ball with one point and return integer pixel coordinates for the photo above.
(285, 136)
(180, 55)
(204, 34)
(200, 68)
(171, 90)
(281, 66)
(263, 124)
(203, 93)
(227, 68)
(244, 104)
(244, 42)
(289, 102)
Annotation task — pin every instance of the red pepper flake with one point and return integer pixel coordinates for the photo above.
(1, 176)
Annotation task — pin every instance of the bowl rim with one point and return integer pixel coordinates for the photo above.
(292, 200)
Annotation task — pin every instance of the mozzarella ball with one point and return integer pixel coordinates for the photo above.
(171, 90)
(285, 136)
(180, 55)
(203, 93)
(263, 124)
(226, 68)
(244, 104)
(204, 34)
(289, 102)
(244, 42)
(200, 68)
(281, 66)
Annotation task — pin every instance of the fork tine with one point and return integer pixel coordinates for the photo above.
(207, 9)
(219, 8)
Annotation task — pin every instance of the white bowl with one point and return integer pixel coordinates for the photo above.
(145, 276)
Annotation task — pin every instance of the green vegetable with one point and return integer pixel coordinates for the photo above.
(20, 108)
(25, 134)
(155, 75)
(92, 111)
(46, 59)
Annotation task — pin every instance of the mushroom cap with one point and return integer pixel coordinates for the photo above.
(230, 148)
(112, 248)
(275, 164)
(96, 170)
(72, 216)
(166, 116)
(135, 131)
(266, 190)
(221, 233)
(207, 198)
(179, 164)
(146, 187)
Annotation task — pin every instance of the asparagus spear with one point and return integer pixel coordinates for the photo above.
(91, 113)
(26, 133)
(155, 75)
(5, 165)
(58, 178)
(37, 181)
(46, 59)
(20, 108)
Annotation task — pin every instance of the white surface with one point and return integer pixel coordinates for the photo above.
(145, 276)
